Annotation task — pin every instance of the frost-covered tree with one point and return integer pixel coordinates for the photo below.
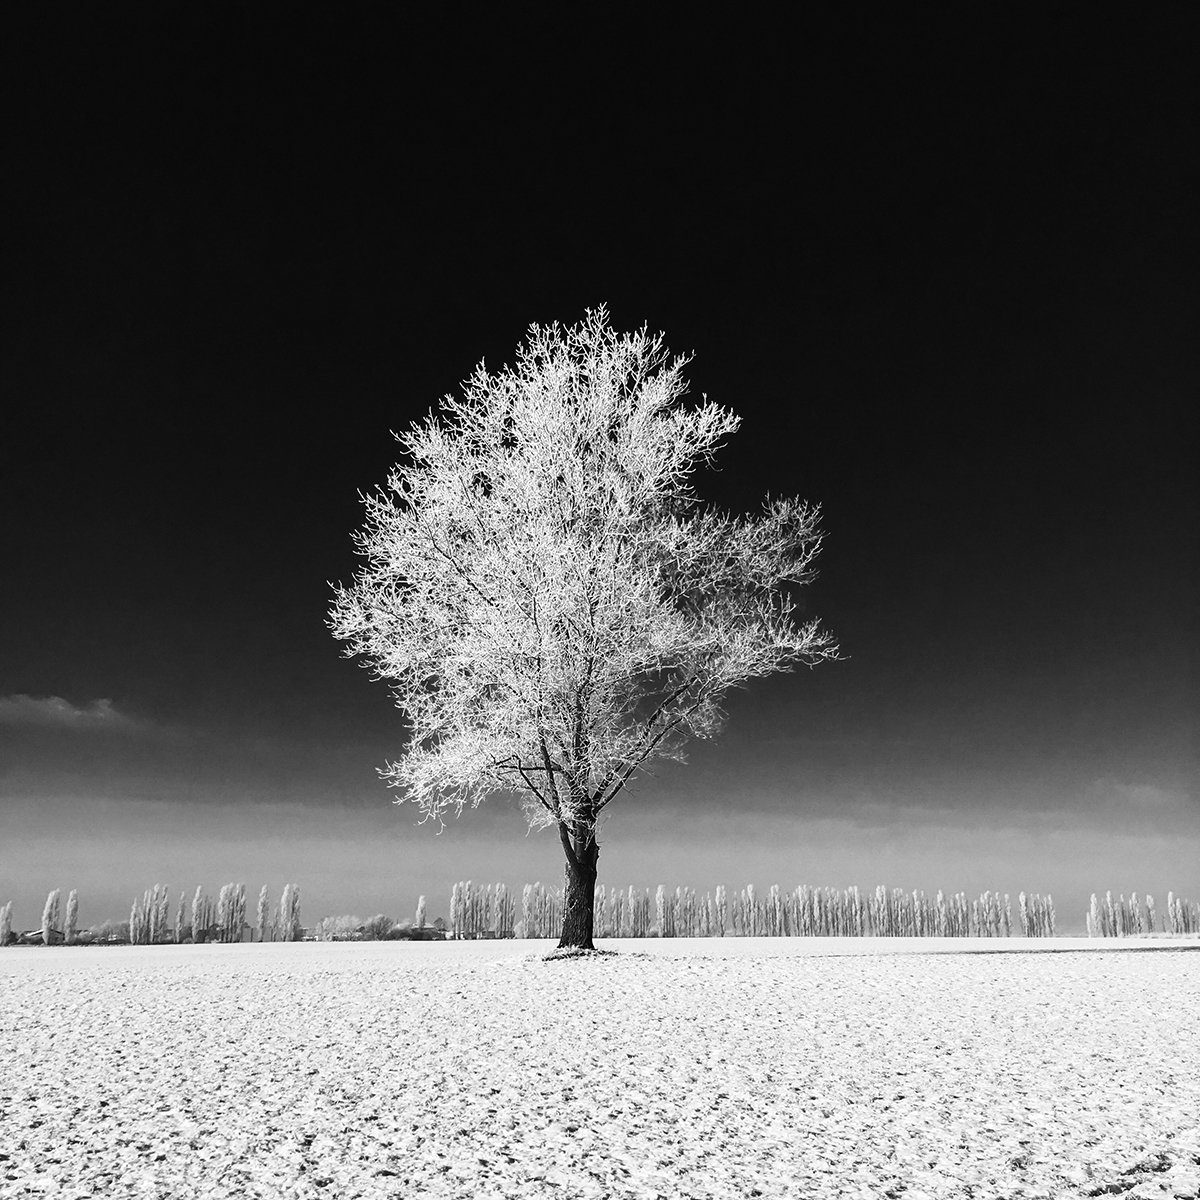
(164, 914)
(288, 921)
(421, 912)
(71, 920)
(264, 914)
(547, 598)
(155, 911)
(5, 923)
(50, 916)
(281, 921)
(294, 914)
(527, 911)
(377, 928)
(202, 915)
(231, 912)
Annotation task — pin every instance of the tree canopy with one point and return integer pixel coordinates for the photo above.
(550, 602)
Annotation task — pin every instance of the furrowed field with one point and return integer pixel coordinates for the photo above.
(695, 1068)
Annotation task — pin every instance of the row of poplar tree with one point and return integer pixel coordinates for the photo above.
(804, 912)
(1127, 918)
(490, 911)
(219, 920)
(206, 919)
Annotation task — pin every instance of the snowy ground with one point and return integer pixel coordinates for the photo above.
(786, 1067)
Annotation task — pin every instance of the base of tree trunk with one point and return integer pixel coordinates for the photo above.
(579, 895)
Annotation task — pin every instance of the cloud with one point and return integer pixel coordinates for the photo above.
(1140, 797)
(53, 712)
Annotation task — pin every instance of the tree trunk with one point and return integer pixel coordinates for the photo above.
(579, 895)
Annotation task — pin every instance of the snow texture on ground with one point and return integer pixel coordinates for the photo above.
(782, 1068)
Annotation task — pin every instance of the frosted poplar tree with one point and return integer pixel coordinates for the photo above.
(288, 924)
(157, 905)
(421, 912)
(223, 899)
(282, 930)
(71, 921)
(198, 916)
(180, 917)
(50, 916)
(527, 911)
(238, 912)
(264, 914)
(5, 923)
(549, 602)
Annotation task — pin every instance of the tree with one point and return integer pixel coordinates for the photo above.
(288, 921)
(378, 927)
(550, 603)
(201, 915)
(71, 922)
(50, 916)
(264, 914)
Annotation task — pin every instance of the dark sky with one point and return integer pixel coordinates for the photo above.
(943, 267)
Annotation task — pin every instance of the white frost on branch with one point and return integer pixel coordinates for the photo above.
(550, 604)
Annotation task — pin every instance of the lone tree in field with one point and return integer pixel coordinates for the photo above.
(549, 601)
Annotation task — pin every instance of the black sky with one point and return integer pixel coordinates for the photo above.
(943, 266)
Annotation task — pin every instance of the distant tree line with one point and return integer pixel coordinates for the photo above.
(483, 912)
(490, 912)
(1127, 918)
(379, 928)
(205, 920)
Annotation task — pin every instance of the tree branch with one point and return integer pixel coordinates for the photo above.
(633, 766)
(519, 767)
(549, 768)
(565, 838)
(611, 774)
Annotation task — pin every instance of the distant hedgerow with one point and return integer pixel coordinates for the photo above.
(339, 929)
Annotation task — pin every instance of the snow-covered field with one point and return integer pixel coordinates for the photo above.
(749, 1067)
